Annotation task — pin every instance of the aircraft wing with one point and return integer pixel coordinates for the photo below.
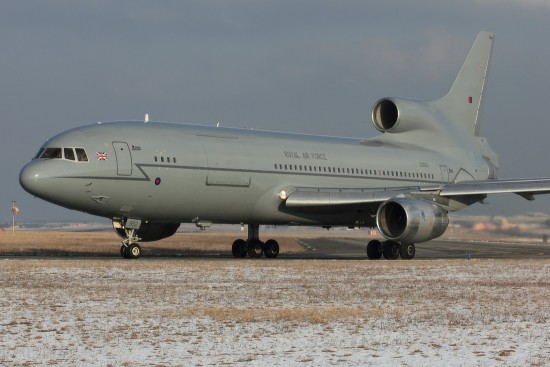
(310, 197)
(526, 188)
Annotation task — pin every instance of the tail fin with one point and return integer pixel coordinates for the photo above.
(464, 100)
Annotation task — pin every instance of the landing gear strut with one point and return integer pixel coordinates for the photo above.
(253, 247)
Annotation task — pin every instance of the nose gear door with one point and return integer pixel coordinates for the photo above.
(123, 158)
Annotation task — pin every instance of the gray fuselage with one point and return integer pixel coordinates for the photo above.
(167, 172)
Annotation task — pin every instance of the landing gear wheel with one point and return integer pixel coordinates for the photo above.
(271, 249)
(375, 250)
(133, 251)
(407, 251)
(391, 250)
(239, 249)
(123, 252)
(255, 249)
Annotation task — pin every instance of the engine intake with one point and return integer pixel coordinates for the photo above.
(394, 115)
(411, 220)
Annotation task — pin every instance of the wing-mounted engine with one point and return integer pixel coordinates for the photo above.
(411, 220)
(394, 115)
(150, 231)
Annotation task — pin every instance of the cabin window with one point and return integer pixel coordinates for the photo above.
(162, 159)
(174, 160)
(168, 159)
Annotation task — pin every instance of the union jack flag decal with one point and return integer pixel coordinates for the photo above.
(101, 156)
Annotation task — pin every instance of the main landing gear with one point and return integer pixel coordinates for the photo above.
(391, 250)
(253, 247)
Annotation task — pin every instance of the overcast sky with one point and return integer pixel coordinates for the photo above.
(303, 66)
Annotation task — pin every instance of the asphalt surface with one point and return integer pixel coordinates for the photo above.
(346, 248)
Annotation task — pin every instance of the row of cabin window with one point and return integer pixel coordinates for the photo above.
(167, 159)
(353, 171)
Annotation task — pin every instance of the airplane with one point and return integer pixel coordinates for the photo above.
(148, 177)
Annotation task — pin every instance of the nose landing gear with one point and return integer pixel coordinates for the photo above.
(128, 229)
(129, 248)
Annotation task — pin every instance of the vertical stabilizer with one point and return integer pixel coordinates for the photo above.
(463, 103)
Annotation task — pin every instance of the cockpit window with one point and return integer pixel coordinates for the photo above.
(51, 153)
(81, 155)
(69, 153)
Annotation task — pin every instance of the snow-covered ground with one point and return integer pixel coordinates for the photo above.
(274, 313)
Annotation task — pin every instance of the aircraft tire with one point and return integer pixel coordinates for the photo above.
(255, 249)
(123, 252)
(374, 250)
(134, 251)
(271, 249)
(407, 251)
(239, 249)
(391, 250)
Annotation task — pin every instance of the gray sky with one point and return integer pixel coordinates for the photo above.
(303, 66)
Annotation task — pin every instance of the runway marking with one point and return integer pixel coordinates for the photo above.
(305, 245)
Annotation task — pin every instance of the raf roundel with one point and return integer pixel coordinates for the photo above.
(157, 181)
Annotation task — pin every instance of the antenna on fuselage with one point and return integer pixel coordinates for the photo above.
(146, 118)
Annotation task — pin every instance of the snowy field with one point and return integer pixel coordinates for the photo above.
(167, 312)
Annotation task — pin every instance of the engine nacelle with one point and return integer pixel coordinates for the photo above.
(394, 115)
(152, 231)
(411, 220)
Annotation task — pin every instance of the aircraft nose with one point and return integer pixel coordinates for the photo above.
(30, 177)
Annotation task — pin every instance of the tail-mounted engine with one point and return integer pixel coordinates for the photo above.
(411, 220)
(394, 115)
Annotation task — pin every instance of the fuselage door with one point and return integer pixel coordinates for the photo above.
(123, 158)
